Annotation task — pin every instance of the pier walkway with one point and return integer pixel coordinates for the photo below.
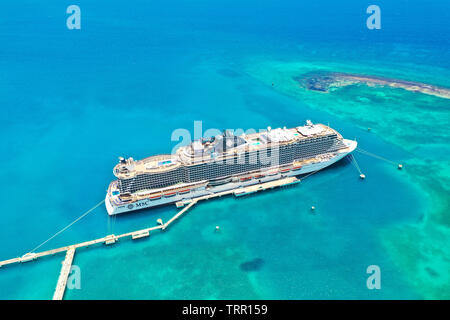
(165, 225)
(64, 274)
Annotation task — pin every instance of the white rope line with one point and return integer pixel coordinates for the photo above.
(355, 164)
(69, 225)
(311, 173)
(373, 155)
(113, 227)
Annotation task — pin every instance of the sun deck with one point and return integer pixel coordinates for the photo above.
(269, 138)
(130, 167)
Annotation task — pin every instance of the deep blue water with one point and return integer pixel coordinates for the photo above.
(74, 100)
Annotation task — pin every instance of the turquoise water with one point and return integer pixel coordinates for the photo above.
(73, 101)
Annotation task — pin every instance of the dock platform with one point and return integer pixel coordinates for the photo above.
(138, 235)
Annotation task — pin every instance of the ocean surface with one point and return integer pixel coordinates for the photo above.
(72, 101)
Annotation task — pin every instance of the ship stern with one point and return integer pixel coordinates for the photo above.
(109, 207)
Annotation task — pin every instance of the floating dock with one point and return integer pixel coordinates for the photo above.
(112, 239)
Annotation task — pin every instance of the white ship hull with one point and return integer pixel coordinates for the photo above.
(149, 203)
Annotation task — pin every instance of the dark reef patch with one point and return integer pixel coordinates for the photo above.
(431, 272)
(316, 81)
(322, 81)
(252, 265)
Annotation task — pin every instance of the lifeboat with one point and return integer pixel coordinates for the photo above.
(297, 167)
(184, 191)
(285, 169)
(125, 197)
(245, 178)
(169, 193)
(272, 173)
(259, 176)
(155, 197)
(217, 182)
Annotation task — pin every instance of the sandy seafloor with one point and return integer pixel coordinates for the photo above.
(72, 101)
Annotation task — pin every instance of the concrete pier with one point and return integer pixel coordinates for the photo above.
(165, 225)
(64, 274)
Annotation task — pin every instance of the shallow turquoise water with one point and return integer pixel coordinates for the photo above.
(75, 100)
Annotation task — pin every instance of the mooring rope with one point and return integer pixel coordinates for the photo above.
(354, 163)
(113, 223)
(367, 153)
(311, 173)
(68, 226)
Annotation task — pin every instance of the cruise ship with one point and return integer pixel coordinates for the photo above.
(223, 162)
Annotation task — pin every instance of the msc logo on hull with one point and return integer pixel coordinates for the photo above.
(141, 204)
(138, 205)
